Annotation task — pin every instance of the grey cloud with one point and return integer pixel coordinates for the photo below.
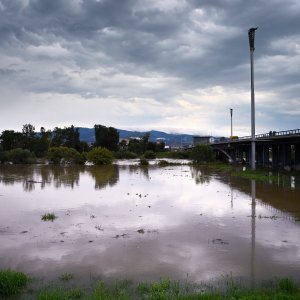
(201, 44)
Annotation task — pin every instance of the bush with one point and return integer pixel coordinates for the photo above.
(179, 154)
(56, 155)
(20, 156)
(80, 158)
(144, 162)
(100, 156)
(124, 154)
(3, 156)
(202, 154)
(149, 154)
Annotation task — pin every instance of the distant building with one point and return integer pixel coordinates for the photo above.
(204, 140)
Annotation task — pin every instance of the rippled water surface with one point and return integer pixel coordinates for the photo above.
(147, 223)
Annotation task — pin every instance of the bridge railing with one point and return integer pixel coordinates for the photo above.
(271, 134)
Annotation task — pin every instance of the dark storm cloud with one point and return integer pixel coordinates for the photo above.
(150, 49)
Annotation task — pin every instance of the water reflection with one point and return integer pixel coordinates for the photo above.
(106, 175)
(57, 176)
(201, 175)
(253, 231)
(194, 222)
(280, 197)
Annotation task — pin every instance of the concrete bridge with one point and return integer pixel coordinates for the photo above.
(277, 149)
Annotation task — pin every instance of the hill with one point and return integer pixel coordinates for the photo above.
(171, 139)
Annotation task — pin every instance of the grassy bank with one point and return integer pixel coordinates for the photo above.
(16, 285)
(259, 174)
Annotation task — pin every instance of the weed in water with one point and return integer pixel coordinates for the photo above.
(12, 282)
(49, 217)
(66, 276)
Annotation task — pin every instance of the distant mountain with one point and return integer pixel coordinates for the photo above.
(171, 139)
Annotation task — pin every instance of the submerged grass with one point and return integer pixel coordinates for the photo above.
(49, 217)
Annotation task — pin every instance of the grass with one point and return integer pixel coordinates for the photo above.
(12, 282)
(258, 174)
(49, 217)
(60, 294)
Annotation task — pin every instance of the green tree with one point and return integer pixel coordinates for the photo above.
(202, 154)
(107, 137)
(134, 145)
(66, 137)
(29, 137)
(145, 141)
(11, 139)
(42, 143)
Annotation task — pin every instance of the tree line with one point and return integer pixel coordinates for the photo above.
(64, 143)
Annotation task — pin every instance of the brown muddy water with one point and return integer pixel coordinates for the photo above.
(143, 224)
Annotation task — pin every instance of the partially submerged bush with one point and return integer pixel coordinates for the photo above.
(11, 282)
(144, 162)
(100, 156)
(57, 155)
(149, 154)
(125, 154)
(202, 154)
(20, 156)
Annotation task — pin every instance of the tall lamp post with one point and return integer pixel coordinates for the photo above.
(231, 121)
(251, 35)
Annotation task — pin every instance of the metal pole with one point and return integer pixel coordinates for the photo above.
(252, 113)
(231, 120)
(251, 34)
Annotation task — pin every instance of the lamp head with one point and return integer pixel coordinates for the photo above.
(251, 35)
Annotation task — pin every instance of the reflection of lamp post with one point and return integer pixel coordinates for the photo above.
(231, 120)
(253, 231)
(251, 34)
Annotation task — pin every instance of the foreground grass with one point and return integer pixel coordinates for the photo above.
(13, 286)
(11, 282)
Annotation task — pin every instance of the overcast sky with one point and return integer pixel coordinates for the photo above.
(171, 65)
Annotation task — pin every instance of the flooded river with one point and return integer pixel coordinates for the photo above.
(124, 221)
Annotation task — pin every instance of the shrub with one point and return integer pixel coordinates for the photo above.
(100, 156)
(20, 156)
(11, 282)
(56, 155)
(125, 154)
(202, 154)
(80, 158)
(149, 154)
(3, 156)
(179, 154)
(144, 162)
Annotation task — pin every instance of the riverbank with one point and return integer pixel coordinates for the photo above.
(17, 285)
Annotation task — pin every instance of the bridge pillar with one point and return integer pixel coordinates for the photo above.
(285, 155)
(266, 155)
(259, 155)
(297, 157)
(275, 156)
